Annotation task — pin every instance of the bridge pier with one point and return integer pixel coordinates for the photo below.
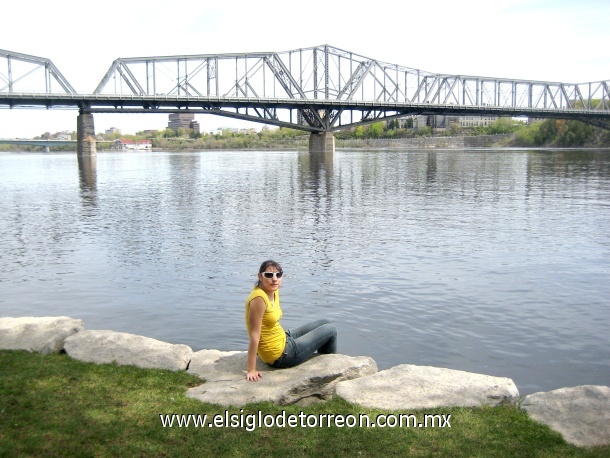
(85, 135)
(322, 143)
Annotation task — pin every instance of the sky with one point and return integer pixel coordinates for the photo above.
(548, 40)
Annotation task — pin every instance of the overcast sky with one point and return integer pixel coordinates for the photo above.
(548, 40)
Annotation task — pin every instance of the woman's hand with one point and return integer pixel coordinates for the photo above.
(254, 376)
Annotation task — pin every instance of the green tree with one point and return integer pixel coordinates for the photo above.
(547, 131)
(575, 133)
(527, 135)
(376, 130)
(169, 133)
(502, 126)
(454, 129)
(425, 131)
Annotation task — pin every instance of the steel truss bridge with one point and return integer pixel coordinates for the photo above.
(318, 89)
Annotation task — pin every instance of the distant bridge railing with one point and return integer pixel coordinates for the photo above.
(30, 142)
(317, 89)
(46, 143)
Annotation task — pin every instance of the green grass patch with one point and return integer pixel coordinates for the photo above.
(52, 405)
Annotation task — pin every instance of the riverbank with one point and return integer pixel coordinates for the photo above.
(497, 141)
(550, 133)
(302, 142)
(577, 413)
(53, 405)
(480, 141)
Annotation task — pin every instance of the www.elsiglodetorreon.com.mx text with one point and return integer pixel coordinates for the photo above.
(252, 421)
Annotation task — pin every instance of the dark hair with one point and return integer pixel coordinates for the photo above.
(269, 263)
(264, 265)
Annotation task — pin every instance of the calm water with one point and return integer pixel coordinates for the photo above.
(495, 262)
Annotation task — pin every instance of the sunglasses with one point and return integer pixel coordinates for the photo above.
(272, 274)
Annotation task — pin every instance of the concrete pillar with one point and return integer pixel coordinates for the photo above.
(322, 143)
(85, 134)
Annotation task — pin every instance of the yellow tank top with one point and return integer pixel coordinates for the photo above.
(273, 336)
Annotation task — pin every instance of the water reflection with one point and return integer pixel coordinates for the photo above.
(431, 166)
(87, 172)
(315, 201)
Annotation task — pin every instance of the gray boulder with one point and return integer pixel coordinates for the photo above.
(421, 387)
(39, 334)
(580, 414)
(310, 382)
(202, 361)
(127, 349)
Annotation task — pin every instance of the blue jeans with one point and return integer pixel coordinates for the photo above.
(304, 341)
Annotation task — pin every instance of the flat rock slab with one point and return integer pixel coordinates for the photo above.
(127, 349)
(310, 382)
(422, 387)
(39, 334)
(580, 414)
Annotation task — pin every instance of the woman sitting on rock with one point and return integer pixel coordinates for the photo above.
(279, 348)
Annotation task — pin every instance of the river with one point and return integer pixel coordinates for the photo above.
(489, 261)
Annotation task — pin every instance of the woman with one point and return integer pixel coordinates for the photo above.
(275, 346)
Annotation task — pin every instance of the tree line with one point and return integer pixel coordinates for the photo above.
(546, 133)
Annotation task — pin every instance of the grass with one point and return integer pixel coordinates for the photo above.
(51, 405)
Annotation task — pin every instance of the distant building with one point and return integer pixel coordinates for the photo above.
(232, 130)
(185, 121)
(124, 144)
(113, 130)
(65, 135)
(531, 121)
(477, 121)
(446, 121)
(419, 122)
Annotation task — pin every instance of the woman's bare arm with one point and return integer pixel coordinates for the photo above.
(257, 310)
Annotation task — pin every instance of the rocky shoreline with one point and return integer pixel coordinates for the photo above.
(581, 414)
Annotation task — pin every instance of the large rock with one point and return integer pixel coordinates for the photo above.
(421, 387)
(40, 334)
(127, 349)
(312, 381)
(580, 414)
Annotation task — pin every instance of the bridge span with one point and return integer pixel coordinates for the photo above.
(46, 144)
(320, 90)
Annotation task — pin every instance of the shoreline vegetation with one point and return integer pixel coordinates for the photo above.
(547, 133)
(53, 405)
